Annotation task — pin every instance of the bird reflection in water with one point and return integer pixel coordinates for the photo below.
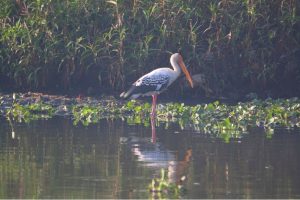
(156, 156)
(153, 130)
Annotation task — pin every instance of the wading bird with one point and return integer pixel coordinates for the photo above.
(155, 82)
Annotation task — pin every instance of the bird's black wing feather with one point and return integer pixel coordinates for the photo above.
(147, 84)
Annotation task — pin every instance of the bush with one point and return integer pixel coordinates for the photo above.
(241, 46)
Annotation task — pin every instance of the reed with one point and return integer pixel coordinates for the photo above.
(241, 46)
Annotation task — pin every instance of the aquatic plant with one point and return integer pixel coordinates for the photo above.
(161, 188)
(86, 114)
(218, 119)
(235, 119)
(30, 112)
(230, 121)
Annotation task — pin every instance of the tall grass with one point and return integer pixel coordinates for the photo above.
(241, 46)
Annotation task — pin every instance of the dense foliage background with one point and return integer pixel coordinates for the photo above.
(94, 46)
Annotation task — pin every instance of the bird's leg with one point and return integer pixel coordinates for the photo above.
(153, 129)
(154, 97)
(153, 114)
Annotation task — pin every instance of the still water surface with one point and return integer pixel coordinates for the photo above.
(55, 159)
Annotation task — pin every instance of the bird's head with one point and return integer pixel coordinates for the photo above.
(178, 58)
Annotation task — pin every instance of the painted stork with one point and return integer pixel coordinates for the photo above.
(157, 81)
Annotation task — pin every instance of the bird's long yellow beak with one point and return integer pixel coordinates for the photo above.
(186, 72)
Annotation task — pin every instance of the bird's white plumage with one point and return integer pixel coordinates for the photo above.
(158, 77)
(156, 81)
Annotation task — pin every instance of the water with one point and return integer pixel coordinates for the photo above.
(55, 159)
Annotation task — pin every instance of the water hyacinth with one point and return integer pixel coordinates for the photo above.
(222, 120)
(162, 188)
(30, 112)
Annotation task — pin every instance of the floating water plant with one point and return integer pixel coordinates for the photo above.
(86, 114)
(163, 188)
(222, 120)
(30, 112)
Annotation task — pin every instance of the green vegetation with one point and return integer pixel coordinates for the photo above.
(228, 121)
(161, 188)
(92, 114)
(240, 46)
(221, 120)
(30, 112)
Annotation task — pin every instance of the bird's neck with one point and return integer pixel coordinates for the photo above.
(175, 66)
